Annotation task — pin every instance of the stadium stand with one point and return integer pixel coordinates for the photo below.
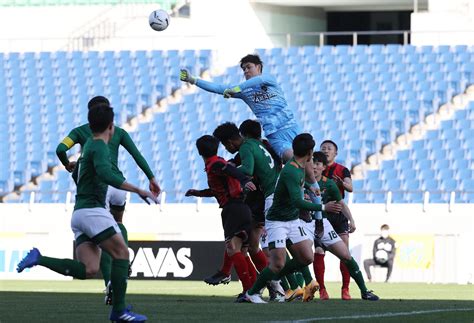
(165, 4)
(362, 97)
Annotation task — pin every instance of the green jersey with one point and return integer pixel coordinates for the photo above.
(94, 175)
(256, 161)
(288, 198)
(329, 192)
(121, 137)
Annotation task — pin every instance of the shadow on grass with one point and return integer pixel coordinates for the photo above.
(78, 307)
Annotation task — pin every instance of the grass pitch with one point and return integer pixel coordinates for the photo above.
(168, 301)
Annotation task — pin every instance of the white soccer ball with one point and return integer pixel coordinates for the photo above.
(159, 20)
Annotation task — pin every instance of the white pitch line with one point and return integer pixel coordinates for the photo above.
(368, 316)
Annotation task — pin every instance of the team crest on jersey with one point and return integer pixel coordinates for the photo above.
(262, 95)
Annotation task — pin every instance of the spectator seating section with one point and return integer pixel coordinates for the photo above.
(361, 97)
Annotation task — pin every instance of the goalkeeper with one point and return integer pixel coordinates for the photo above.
(267, 101)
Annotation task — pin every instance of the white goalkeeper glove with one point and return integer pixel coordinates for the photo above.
(185, 76)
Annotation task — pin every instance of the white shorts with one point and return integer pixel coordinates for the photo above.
(264, 239)
(280, 231)
(93, 224)
(330, 236)
(115, 197)
(264, 236)
(268, 203)
(309, 228)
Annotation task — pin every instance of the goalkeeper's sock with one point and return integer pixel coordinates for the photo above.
(66, 267)
(356, 274)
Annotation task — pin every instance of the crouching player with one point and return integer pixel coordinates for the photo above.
(92, 224)
(225, 184)
(283, 226)
(330, 239)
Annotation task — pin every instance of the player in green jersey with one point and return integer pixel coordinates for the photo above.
(256, 162)
(283, 226)
(115, 199)
(92, 224)
(331, 240)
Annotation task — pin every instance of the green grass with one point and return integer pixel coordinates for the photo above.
(167, 301)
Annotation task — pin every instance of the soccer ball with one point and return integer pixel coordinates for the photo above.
(159, 20)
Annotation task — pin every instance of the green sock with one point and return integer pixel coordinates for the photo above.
(291, 266)
(305, 275)
(105, 266)
(292, 280)
(124, 232)
(106, 259)
(284, 283)
(119, 276)
(356, 274)
(66, 267)
(265, 276)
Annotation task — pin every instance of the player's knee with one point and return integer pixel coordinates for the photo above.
(119, 252)
(319, 251)
(307, 259)
(277, 266)
(91, 271)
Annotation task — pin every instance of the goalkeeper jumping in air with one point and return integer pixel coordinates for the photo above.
(267, 101)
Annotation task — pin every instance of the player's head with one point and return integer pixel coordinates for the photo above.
(228, 134)
(207, 146)
(384, 231)
(329, 148)
(303, 145)
(320, 162)
(98, 100)
(251, 65)
(251, 129)
(101, 119)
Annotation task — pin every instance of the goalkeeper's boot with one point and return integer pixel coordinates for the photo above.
(108, 294)
(31, 259)
(126, 316)
(218, 278)
(369, 296)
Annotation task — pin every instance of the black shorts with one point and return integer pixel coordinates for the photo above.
(339, 222)
(236, 220)
(256, 202)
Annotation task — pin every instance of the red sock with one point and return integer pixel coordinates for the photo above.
(227, 264)
(252, 271)
(346, 276)
(319, 268)
(260, 260)
(242, 270)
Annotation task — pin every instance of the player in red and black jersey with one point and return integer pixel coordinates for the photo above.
(342, 177)
(225, 184)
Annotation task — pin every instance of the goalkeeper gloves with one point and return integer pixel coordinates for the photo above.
(229, 93)
(185, 76)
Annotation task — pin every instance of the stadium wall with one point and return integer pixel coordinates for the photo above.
(433, 244)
